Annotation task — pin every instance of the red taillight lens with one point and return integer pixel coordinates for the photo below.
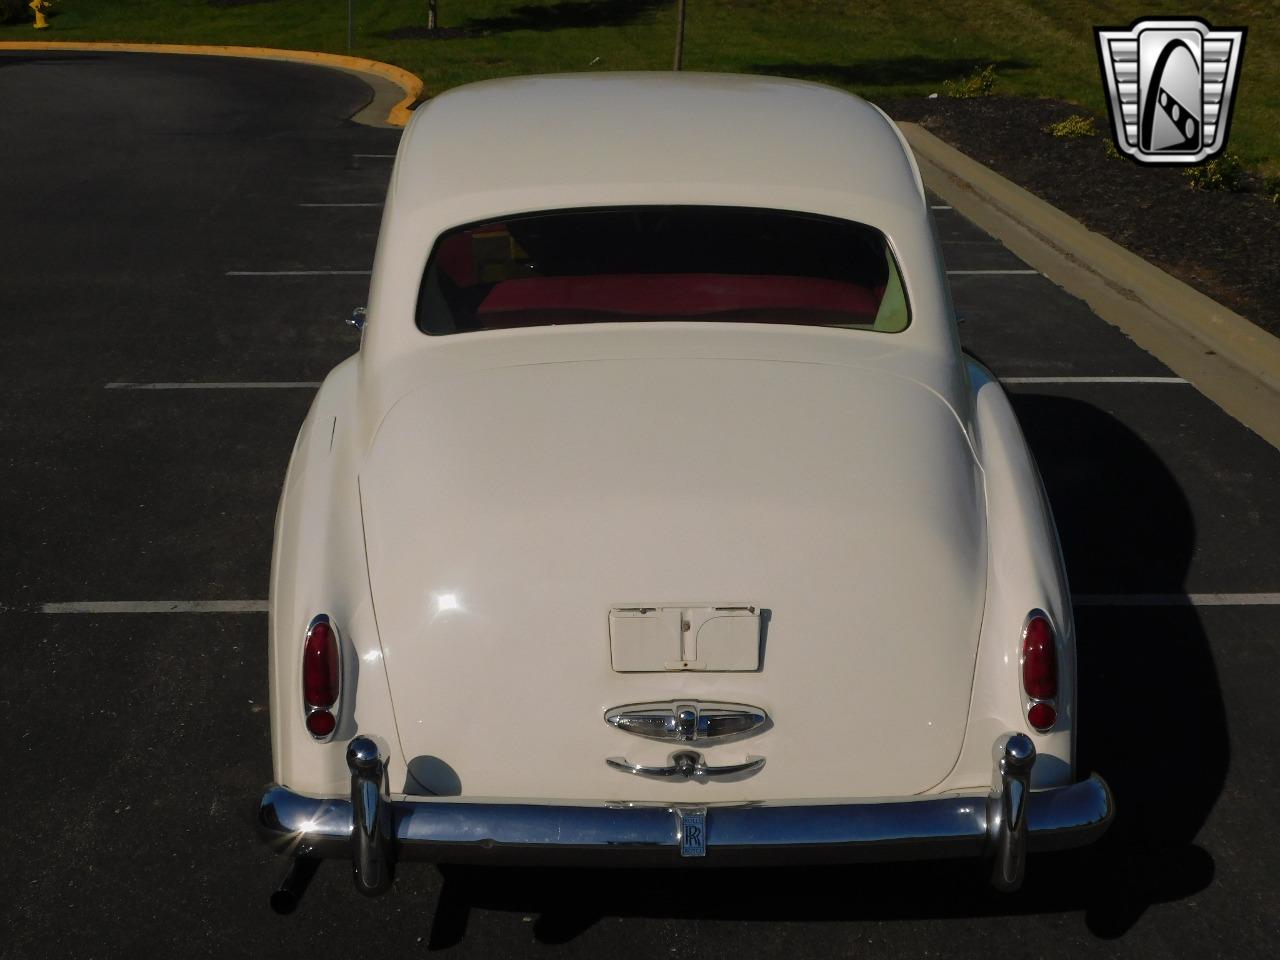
(1042, 716)
(320, 667)
(321, 723)
(1039, 660)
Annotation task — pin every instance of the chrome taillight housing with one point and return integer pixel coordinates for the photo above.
(321, 677)
(1039, 659)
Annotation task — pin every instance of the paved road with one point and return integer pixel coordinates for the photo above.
(137, 743)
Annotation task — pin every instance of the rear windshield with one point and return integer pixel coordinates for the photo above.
(661, 263)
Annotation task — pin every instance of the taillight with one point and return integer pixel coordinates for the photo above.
(1040, 671)
(321, 677)
(321, 723)
(1042, 716)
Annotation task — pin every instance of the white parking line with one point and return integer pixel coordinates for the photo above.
(1079, 600)
(1176, 600)
(299, 273)
(939, 206)
(976, 273)
(199, 385)
(315, 384)
(374, 156)
(1092, 380)
(365, 273)
(157, 606)
(339, 204)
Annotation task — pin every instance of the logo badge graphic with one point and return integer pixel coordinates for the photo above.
(1170, 86)
(693, 831)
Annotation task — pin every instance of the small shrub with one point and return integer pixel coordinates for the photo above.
(1111, 151)
(1077, 125)
(980, 83)
(1271, 188)
(1225, 172)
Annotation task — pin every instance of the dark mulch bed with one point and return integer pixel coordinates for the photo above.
(1227, 245)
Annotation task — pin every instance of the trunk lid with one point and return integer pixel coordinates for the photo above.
(507, 511)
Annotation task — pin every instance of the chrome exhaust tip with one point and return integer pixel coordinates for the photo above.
(285, 898)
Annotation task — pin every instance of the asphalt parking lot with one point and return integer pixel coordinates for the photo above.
(174, 221)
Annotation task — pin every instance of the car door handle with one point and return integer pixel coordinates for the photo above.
(686, 765)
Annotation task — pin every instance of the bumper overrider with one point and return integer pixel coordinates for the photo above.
(373, 831)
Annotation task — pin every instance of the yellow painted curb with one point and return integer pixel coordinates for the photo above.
(1233, 362)
(406, 81)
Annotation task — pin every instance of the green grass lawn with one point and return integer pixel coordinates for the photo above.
(875, 48)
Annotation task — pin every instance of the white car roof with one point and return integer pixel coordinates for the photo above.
(527, 144)
(661, 130)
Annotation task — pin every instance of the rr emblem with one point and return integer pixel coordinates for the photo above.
(693, 831)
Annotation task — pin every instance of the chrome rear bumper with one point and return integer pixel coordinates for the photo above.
(1004, 824)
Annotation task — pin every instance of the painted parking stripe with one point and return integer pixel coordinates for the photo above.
(339, 204)
(315, 384)
(261, 606)
(1165, 380)
(299, 273)
(939, 206)
(374, 156)
(365, 273)
(995, 273)
(157, 606)
(1176, 600)
(201, 385)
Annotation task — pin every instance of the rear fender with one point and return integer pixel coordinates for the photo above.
(318, 566)
(1025, 571)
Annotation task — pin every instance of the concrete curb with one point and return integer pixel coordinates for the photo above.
(1232, 361)
(397, 115)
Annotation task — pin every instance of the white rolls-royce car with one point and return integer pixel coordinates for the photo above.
(659, 517)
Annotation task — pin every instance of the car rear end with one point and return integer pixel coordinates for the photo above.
(668, 531)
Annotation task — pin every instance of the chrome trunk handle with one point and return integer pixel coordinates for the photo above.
(686, 765)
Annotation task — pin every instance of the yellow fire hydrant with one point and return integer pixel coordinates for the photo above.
(39, 7)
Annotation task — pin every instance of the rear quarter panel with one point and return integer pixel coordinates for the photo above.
(1025, 571)
(318, 566)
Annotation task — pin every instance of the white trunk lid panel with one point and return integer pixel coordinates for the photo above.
(508, 511)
